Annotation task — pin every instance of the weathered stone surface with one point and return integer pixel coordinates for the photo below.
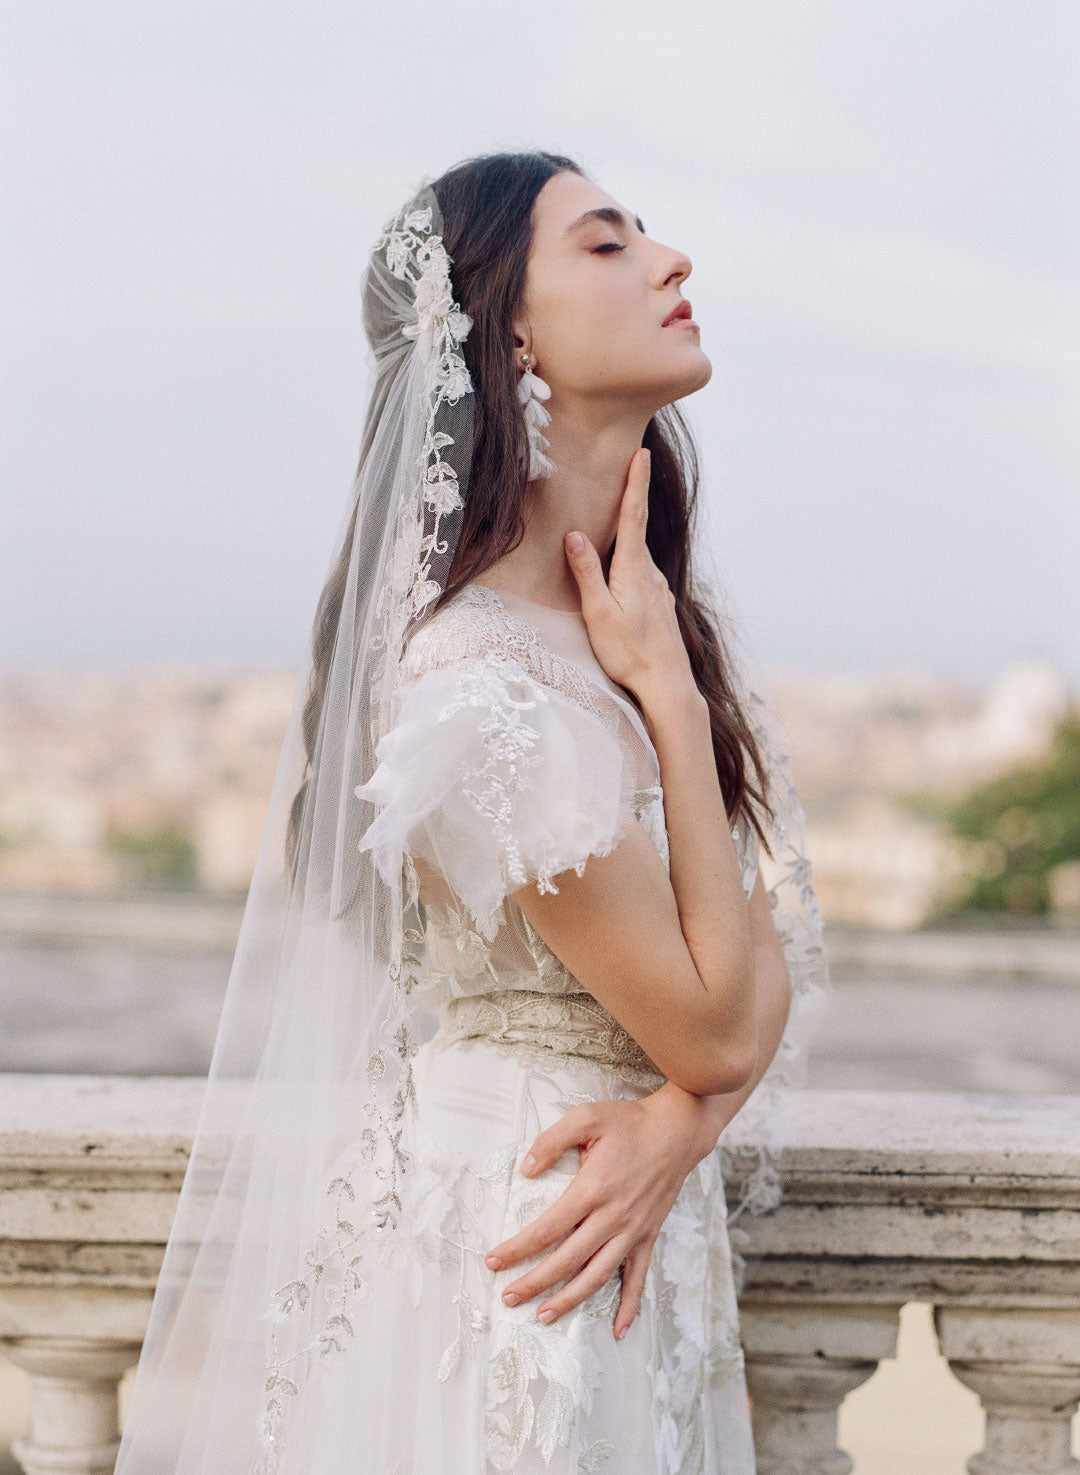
(1024, 1364)
(891, 1197)
(969, 1202)
(983, 1137)
(73, 1410)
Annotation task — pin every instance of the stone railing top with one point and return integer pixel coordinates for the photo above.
(927, 1193)
(981, 1135)
(988, 1138)
(70, 1118)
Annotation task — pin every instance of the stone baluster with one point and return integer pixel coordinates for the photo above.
(1024, 1363)
(802, 1360)
(74, 1384)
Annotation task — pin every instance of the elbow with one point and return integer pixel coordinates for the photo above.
(723, 1071)
(731, 1046)
(714, 1049)
(735, 1037)
(732, 1072)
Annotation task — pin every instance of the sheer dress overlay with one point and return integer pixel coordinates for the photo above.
(514, 757)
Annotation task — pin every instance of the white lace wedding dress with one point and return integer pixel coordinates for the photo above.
(514, 756)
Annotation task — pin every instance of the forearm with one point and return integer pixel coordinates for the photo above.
(704, 866)
(709, 1115)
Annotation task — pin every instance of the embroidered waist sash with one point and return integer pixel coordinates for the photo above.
(572, 1024)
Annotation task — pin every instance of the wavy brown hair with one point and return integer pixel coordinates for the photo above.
(486, 205)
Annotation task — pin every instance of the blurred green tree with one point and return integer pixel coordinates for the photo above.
(162, 856)
(1025, 822)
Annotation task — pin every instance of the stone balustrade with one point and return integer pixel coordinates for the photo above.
(90, 1171)
(970, 1203)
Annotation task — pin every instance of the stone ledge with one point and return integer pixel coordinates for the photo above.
(981, 1141)
(949, 1188)
(84, 1121)
(896, 1196)
(970, 1202)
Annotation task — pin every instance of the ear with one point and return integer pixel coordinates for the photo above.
(522, 335)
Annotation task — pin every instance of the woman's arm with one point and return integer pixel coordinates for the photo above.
(620, 928)
(772, 983)
(635, 1156)
(668, 952)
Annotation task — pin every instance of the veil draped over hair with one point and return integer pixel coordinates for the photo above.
(309, 1097)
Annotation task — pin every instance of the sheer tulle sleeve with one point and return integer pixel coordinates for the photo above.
(495, 780)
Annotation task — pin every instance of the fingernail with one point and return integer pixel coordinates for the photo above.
(621, 1333)
(547, 1315)
(575, 543)
(493, 1262)
(528, 1164)
(511, 1298)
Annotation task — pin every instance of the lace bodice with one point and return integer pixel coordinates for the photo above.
(530, 717)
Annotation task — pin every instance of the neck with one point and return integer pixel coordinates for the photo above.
(583, 494)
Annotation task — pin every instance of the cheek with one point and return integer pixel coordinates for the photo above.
(603, 327)
(592, 355)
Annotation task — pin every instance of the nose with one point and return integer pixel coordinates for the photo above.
(676, 267)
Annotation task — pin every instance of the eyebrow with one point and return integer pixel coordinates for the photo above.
(608, 213)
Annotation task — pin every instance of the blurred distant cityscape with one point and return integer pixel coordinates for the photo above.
(120, 780)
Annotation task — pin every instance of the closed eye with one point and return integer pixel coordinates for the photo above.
(608, 246)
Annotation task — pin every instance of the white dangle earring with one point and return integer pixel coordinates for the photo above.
(532, 391)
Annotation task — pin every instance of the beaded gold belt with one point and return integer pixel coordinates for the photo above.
(567, 1024)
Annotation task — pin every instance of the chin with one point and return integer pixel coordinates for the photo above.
(680, 374)
(692, 377)
(705, 373)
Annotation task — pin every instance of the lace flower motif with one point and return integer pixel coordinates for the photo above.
(417, 256)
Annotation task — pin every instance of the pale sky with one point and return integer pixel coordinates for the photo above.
(879, 198)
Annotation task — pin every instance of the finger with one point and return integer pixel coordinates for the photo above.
(634, 508)
(567, 1259)
(595, 1274)
(565, 1214)
(633, 1286)
(573, 1128)
(587, 570)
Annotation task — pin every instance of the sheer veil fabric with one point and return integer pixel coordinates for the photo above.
(310, 1101)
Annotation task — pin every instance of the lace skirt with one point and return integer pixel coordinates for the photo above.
(456, 1383)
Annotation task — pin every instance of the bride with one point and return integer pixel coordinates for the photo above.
(509, 965)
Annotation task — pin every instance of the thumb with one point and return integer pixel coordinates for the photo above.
(585, 564)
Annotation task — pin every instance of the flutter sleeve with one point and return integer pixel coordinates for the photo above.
(495, 780)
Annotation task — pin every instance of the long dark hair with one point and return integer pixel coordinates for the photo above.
(486, 205)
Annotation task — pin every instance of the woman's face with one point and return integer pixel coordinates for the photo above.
(597, 293)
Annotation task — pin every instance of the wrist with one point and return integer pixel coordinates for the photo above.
(713, 1117)
(665, 700)
(699, 1119)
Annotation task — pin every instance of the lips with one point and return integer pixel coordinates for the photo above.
(682, 309)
